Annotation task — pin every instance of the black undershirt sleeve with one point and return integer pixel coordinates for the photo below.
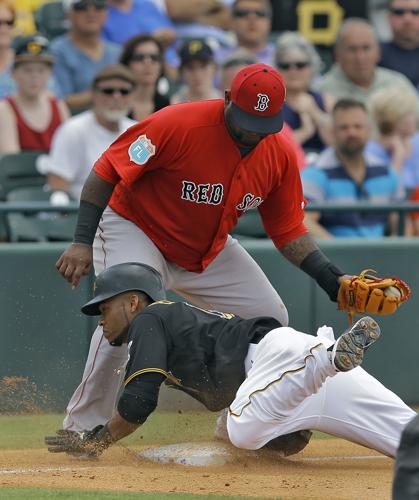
(139, 398)
(146, 368)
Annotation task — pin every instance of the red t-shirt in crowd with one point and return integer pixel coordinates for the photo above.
(180, 177)
(34, 140)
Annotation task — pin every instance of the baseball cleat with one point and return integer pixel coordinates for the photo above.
(348, 350)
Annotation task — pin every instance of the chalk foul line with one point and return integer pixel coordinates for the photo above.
(32, 470)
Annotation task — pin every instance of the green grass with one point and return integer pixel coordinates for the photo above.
(41, 494)
(28, 431)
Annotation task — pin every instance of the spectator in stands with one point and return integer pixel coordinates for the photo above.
(414, 216)
(347, 174)
(143, 54)
(307, 112)
(397, 139)
(197, 70)
(80, 141)
(30, 117)
(355, 73)
(251, 22)
(7, 21)
(199, 18)
(401, 53)
(80, 53)
(232, 64)
(128, 18)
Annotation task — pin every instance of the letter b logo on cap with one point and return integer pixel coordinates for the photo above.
(263, 101)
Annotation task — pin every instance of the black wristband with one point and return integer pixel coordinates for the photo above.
(326, 274)
(87, 222)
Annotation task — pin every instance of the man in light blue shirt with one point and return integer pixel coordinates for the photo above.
(81, 53)
(346, 174)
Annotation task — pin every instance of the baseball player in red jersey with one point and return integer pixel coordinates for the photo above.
(168, 191)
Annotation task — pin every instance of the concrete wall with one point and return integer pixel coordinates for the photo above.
(44, 338)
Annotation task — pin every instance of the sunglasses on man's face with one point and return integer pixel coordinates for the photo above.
(84, 6)
(114, 90)
(401, 12)
(142, 57)
(248, 12)
(293, 65)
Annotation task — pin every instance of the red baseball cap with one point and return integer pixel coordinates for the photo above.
(257, 96)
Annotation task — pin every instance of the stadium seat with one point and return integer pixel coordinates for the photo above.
(50, 19)
(19, 170)
(41, 226)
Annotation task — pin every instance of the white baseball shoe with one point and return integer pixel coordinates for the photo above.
(348, 350)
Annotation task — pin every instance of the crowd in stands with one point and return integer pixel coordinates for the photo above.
(354, 124)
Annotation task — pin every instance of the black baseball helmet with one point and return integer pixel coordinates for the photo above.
(121, 278)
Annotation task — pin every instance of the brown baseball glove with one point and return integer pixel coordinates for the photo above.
(367, 293)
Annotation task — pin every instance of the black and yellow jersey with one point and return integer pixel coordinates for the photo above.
(198, 351)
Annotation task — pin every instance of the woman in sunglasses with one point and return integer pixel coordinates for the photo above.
(144, 56)
(305, 111)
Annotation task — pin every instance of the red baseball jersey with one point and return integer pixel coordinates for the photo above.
(179, 176)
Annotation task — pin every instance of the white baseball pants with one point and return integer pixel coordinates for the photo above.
(291, 385)
(233, 282)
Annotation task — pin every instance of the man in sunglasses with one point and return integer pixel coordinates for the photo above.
(251, 22)
(81, 53)
(401, 53)
(84, 137)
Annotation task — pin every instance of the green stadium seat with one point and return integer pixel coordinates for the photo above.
(41, 226)
(50, 19)
(19, 170)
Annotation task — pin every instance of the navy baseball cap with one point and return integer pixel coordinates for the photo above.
(195, 50)
(34, 48)
(257, 96)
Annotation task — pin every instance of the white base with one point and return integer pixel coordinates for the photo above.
(198, 454)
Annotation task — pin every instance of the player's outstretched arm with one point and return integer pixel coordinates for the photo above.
(304, 253)
(91, 443)
(77, 260)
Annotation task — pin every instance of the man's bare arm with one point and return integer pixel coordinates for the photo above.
(77, 260)
(304, 253)
(119, 428)
(185, 10)
(311, 220)
(297, 250)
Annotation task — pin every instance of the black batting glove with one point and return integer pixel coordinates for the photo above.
(80, 443)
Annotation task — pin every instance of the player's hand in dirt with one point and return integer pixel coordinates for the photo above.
(80, 443)
(75, 262)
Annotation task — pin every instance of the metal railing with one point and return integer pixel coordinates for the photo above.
(402, 208)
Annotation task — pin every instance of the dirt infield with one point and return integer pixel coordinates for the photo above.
(326, 469)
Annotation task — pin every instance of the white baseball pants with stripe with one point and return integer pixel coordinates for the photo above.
(233, 282)
(291, 385)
